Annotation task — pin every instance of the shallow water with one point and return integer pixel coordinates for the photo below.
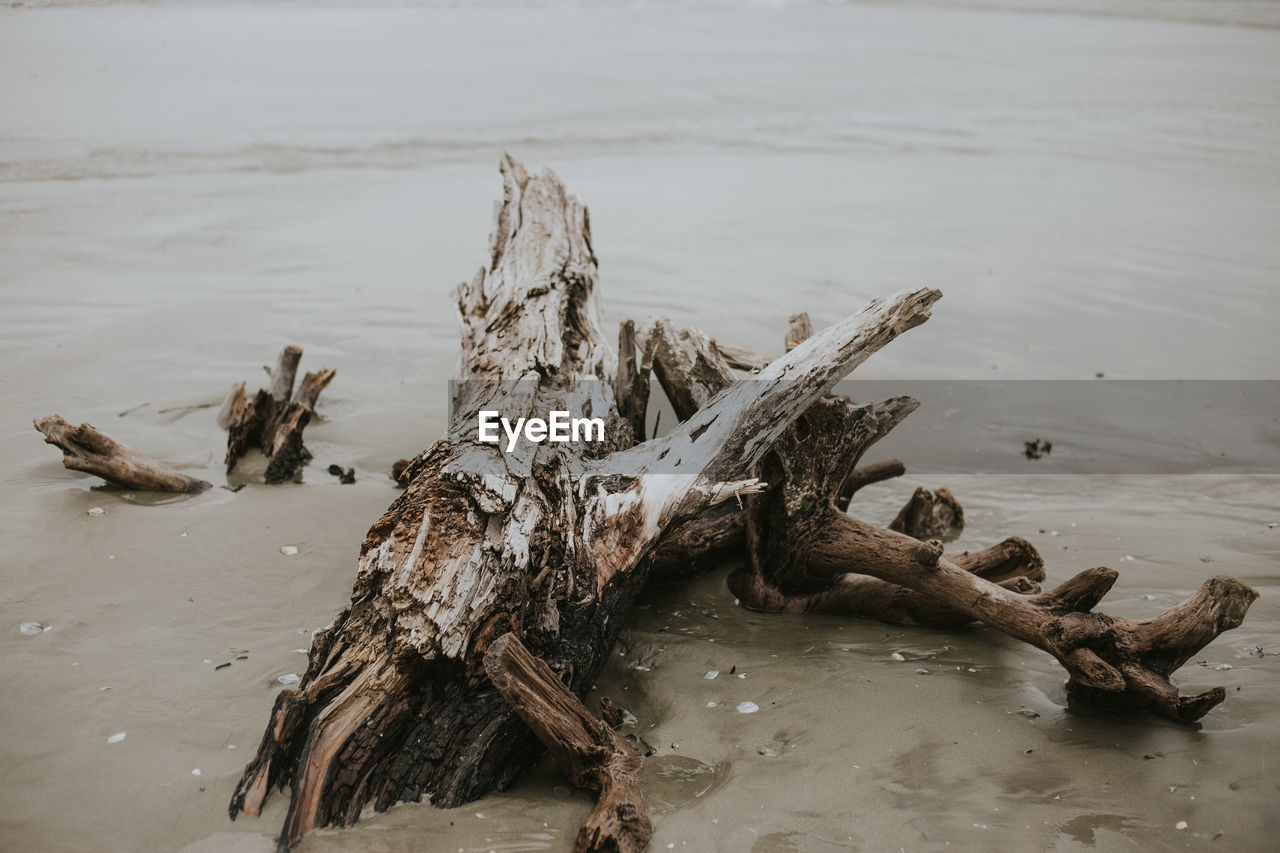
(184, 189)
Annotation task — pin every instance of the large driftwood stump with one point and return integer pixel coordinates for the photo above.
(551, 543)
(86, 449)
(274, 419)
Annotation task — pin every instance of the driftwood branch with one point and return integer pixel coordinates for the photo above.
(793, 565)
(1116, 662)
(86, 449)
(586, 749)
(631, 385)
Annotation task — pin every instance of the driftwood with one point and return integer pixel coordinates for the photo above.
(587, 750)
(86, 449)
(274, 419)
(929, 515)
(551, 543)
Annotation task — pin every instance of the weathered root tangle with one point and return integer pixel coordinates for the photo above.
(1115, 662)
(552, 544)
(806, 554)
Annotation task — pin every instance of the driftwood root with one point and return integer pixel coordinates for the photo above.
(587, 749)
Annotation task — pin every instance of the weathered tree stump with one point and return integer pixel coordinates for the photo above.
(551, 543)
(930, 515)
(274, 419)
(86, 449)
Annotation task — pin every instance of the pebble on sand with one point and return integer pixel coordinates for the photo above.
(291, 678)
(897, 656)
(289, 550)
(116, 738)
(97, 510)
(31, 629)
(710, 674)
(747, 707)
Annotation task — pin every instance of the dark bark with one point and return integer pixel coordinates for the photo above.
(274, 420)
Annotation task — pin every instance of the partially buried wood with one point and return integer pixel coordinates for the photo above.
(586, 749)
(86, 449)
(274, 419)
(553, 543)
(550, 541)
(930, 515)
(806, 554)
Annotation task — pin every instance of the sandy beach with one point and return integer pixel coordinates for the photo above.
(186, 188)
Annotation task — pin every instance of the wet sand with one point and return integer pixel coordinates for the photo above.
(183, 190)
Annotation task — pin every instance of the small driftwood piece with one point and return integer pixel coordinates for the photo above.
(86, 449)
(799, 330)
(587, 749)
(930, 515)
(274, 420)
